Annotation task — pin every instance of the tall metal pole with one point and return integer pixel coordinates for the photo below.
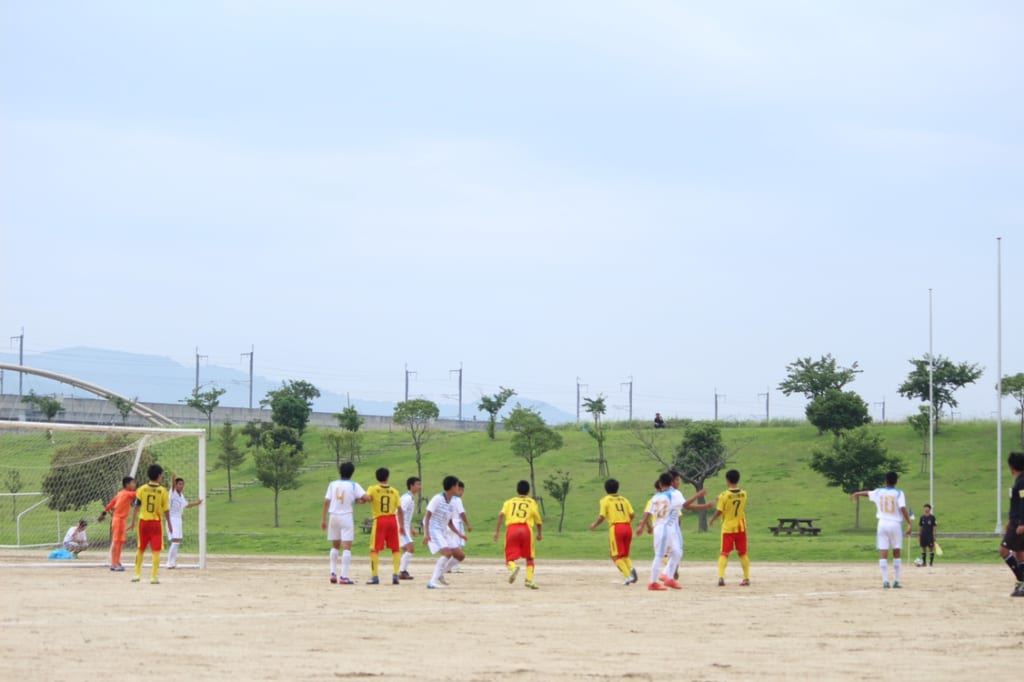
(21, 357)
(252, 351)
(459, 371)
(630, 384)
(931, 408)
(999, 382)
(407, 373)
(197, 367)
(767, 414)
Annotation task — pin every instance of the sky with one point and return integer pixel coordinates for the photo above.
(570, 198)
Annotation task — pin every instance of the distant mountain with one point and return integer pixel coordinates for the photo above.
(153, 378)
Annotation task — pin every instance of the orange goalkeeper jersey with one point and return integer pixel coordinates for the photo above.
(121, 504)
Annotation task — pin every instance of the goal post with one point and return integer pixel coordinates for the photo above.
(53, 474)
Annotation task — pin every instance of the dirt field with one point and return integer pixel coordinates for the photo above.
(279, 619)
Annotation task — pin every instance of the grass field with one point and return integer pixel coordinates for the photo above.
(773, 460)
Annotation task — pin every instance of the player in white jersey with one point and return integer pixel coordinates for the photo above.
(406, 532)
(175, 532)
(657, 510)
(440, 534)
(342, 495)
(461, 523)
(892, 509)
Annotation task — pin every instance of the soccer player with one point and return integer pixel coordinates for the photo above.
(891, 504)
(342, 494)
(154, 505)
(666, 538)
(617, 510)
(75, 540)
(731, 507)
(1011, 549)
(439, 533)
(926, 536)
(123, 502)
(462, 525)
(386, 504)
(178, 506)
(413, 486)
(521, 516)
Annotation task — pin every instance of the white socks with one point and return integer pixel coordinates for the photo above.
(334, 561)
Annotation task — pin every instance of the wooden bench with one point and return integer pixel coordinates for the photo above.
(367, 525)
(795, 525)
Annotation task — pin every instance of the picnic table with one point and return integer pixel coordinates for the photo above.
(367, 525)
(795, 525)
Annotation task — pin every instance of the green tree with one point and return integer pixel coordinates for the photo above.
(13, 484)
(700, 456)
(837, 411)
(1014, 386)
(50, 407)
(856, 460)
(947, 378)
(652, 441)
(292, 404)
(347, 444)
(253, 432)
(231, 456)
(558, 485)
(919, 422)
(90, 470)
(416, 416)
(813, 378)
(206, 402)
(349, 419)
(279, 462)
(492, 404)
(125, 407)
(531, 437)
(596, 407)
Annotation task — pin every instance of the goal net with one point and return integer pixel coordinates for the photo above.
(52, 475)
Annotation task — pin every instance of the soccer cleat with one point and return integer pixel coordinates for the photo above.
(656, 587)
(721, 582)
(135, 579)
(154, 581)
(673, 584)
(373, 581)
(345, 581)
(628, 581)
(632, 575)
(530, 585)
(663, 577)
(512, 574)
(745, 582)
(334, 579)
(896, 585)
(444, 581)
(1018, 591)
(885, 584)
(394, 579)
(432, 586)
(404, 575)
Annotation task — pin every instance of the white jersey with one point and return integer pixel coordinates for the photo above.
(343, 495)
(178, 504)
(889, 502)
(675, 506)
(441, 512)
(457, 511)
(407, 503)
(75, 536)
(659, 508)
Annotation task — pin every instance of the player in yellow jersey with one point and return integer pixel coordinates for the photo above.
(618, 512)
(387, 519)
(154, 504)
(521, 516)
(731, 507)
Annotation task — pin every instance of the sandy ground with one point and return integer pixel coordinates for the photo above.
(248, 618)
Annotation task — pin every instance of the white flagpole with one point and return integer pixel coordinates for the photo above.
(999, 382)
(931, 408)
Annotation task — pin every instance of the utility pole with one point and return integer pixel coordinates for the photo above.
(21, 357)
(630, 384)
(578, 387)
(717, 396)
(252, 351)
(883, 408)
(766, 394)
(198, 356)
(459, 371)
(407, 373)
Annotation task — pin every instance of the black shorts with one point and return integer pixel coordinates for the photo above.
(927, 542)
(1012, 541)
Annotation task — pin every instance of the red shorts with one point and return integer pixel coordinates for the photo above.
(151, 534)
(384, 534)
(518, 542)
(737, 541)
(621, 539)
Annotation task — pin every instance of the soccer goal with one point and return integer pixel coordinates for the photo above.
(52, 475)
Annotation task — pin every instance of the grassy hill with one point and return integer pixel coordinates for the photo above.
(773, 460)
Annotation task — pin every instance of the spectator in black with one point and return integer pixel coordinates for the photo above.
(659, 423)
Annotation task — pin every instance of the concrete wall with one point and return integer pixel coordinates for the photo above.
(96, 411)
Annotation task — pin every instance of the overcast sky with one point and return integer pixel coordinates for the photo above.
(685, 195)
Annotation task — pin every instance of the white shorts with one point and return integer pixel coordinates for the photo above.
(405, 536)
(341, 528)
(890, 535)
(442, 539)
(176, 526)
(668, 540)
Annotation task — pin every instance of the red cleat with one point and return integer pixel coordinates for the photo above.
(656, 587)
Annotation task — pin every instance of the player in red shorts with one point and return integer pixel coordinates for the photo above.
(520, 515)
(387, 517)
(154, 506)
